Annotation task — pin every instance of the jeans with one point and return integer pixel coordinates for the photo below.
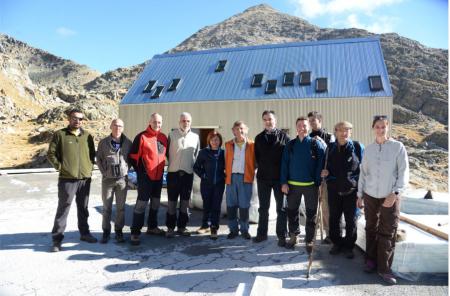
(212, 195)
(238, 195)
(264, 193)
(69, 189)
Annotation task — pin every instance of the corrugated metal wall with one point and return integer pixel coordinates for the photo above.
(359, 111)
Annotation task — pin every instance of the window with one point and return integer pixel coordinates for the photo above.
(257, 80)
(157, 92)
(375, 83)
(271, 87)
(173, 86)
(305, 78)
(148, 88)
(321, 85)
(288, 78)
(221, 66)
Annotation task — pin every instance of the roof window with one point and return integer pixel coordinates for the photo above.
(305, 78)
(221, 66)
(149, 87)
(257, 80)
(288, 78)
(375, 83)
(158, 91)
(173, 86)
(271, 86)
(321, 84)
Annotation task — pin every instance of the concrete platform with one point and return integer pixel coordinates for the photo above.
(194, 265)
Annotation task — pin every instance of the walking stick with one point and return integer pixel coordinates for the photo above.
(318, 211)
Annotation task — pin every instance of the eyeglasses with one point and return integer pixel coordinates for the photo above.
(77, 118)
(380, 117)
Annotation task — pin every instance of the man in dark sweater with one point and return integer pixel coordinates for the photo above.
(269, 145)
(319, 133)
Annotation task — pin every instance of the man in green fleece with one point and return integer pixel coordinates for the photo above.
(72, 153)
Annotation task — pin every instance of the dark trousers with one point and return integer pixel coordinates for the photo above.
(264, 192)
(179, 184)
(339, 205)
(294, 199)
(212, 195)
(68, 190)
(147, 190)
(381, 230)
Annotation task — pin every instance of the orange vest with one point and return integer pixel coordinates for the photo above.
(249, 171)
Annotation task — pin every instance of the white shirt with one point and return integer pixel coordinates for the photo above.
(239, 159)
(183, 150)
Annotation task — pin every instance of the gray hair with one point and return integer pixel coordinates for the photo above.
(186, 114)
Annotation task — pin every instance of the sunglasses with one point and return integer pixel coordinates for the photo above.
(380, 117)
(77, 118)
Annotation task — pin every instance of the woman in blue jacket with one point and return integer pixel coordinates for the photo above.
(210, 167)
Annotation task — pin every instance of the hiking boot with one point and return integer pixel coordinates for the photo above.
(105, 238)
(183, 232)
(134, 240)
(388, 278)
(213, 234)
(327, 241)
(335, 249)
(349, 254)
(246, 235)
(155, 231)
(119, 237)
(259, 238)
(170, 233)
(232, 235)
(203, 230)
(88, 238)
(371, 266)
(290, 244)
(282, 242)
(56, 247)
(309, 247)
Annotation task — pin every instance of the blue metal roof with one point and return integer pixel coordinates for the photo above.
(346, 63)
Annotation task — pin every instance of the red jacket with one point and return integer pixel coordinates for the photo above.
(148, 153)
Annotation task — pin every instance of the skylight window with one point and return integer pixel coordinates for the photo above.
(271, 87)
(159, 89)
(288, 78)
(221, 66)
(305, 78)
(173, 86)
(321, 84)
(375, 83)
(257, 80)
(149, 87)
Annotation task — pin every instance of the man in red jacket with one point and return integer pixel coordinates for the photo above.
(148, 156)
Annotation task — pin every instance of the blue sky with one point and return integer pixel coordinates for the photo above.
(109, 34)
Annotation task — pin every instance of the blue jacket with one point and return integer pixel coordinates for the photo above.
(344, 169)
(209, 168)
(300, 162)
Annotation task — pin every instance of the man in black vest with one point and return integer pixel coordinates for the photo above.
(319, 133)
(269, 145)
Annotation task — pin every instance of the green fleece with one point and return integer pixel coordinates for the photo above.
(73, 156)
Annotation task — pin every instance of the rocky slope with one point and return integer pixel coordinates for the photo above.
(38, 86)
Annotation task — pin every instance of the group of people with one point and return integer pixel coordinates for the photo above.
(351, 175)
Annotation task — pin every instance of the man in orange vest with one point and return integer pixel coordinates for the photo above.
(240, 173)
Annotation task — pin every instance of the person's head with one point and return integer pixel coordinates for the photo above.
(76, 118)
(185, 121)
(155, 122)
(315, 120)
(343, 131)
(214, 140)
(380, 126)
(116, 127)
(269, 119)
(239, 130)
(302, 126)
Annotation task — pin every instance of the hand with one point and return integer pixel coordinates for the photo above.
(285, 188)
(324, 173)
(359, 203)
(390, 200)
